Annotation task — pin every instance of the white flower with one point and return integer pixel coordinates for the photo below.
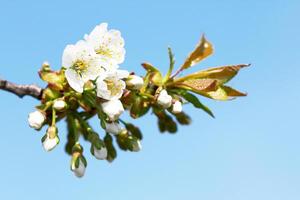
(164, 99)
(113, 109)
(113, 128)
(36, 119)
(80, 169)
(59, 104)
(108, 44)
(110, 86)
(82, 65)
(101, 153)
(136, 82)
(177, 107)
(136, 146)
(50, 140)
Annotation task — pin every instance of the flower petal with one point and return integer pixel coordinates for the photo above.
(74, 80)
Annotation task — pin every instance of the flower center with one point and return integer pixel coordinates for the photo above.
(114, 87)
(80, 66)
(104, 51)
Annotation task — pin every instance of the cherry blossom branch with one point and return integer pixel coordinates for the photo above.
(21, 90)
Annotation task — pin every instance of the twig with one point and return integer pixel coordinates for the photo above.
(21, 90)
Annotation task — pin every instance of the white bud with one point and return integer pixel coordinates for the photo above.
(113, 109)
(136, 82)
(177, 107)
(50, 143)
(59, 104)
(80, 170)
(113, 128)
(101, 153)
(50, 140)
(164, 99)
(36, 119)
(136, 146)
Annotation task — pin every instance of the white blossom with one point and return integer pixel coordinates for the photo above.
(113, 128)
(136, 82)
(101, 153)
(80, 170)
(110, 84)
(177, 107)
(113, 109)
(36, 119)
(82, 65)
(59, 104)
(164, 99)
(108, 44)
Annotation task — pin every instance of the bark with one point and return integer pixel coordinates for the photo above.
(21, 90)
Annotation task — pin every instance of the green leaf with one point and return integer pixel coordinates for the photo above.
(195, 101)
(171, 67)
(202, 51)
(139, 107)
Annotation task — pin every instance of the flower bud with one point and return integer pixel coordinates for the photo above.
(36, 119)
(135, 82)
(113, 128)
(50, 140)
(164, 99)
(113, 109)
(177, 107)
(78, 164)
(59, 105)
(101, 153)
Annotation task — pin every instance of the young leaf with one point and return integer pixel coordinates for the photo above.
(199, 85)
(195, 101)
(202, 50)
(219, 94)
(231, 92)
(221, 74)
(171, 67)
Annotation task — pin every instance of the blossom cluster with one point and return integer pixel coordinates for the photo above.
(90, 84)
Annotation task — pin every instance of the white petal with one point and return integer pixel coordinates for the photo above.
(74, 80)
(113, 109)
(68, 57)
(122, 74)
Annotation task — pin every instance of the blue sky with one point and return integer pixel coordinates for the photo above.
(250, 151)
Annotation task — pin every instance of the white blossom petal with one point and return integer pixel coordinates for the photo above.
(113, 109)
(74, 80)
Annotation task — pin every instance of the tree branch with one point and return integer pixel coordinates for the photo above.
(21, 90)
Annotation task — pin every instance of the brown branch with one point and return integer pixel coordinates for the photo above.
(21, 90)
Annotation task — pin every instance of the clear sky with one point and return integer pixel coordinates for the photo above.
(250, 151)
